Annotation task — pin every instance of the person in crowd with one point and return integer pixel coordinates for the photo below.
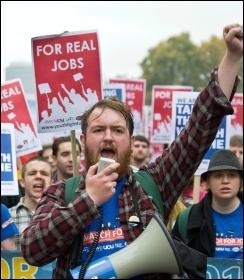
(236, 145)
(140, 152)
(8, 229)
(62, 155)
(47, 154)
(215, 224)
(107, 131)
(36, 177)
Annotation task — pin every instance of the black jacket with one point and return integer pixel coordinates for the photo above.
(200, 228)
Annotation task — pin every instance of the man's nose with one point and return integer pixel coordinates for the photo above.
(108, 134)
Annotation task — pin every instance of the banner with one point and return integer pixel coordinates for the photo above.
(68, 78)
(161, 112)
(224, 269)
(13, 266)
(9, 177)
(181, 110)
(135, 99)
(15, 110)
(147, 121)
(237, 118)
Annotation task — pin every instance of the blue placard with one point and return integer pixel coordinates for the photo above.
(224, 269)
(9, 179)
(182, 106)
(13, 266)
(114, 90)
(6, 158)
(221, 140)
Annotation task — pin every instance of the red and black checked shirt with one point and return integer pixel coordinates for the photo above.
(54, 225)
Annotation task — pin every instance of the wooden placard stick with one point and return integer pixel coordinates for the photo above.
(196, 188)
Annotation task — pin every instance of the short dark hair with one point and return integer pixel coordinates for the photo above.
(36, 158)
(142, 138)
(44, 147)
(63, 139)
(236, 141)
(113, 103)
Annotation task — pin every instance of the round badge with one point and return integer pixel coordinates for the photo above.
(134, 219)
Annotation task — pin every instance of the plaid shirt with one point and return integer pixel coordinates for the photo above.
(54, 226)
(22, 216)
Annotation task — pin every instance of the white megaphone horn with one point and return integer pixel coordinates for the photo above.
(152, 252)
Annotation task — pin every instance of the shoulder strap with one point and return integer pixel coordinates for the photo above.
(150, 187)
(182, 222)
(71, 185)
(143, 177)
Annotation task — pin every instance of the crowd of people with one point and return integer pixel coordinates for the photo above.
(45, 228)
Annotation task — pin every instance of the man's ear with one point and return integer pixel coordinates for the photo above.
(82, 140)
(132, 140)
(22, 183)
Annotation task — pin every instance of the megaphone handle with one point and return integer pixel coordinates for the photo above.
(94, 245)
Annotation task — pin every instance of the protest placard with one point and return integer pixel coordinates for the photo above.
(67, 76)
(15, 110)
(9, 177)
(135, 99)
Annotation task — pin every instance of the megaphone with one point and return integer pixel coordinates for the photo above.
(152, 252)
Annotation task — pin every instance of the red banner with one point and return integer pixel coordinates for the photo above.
(15, 110)
(135, 99)
(237, 117)
(161, 112)
(67, 76)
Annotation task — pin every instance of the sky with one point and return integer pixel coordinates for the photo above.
(127, 30)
